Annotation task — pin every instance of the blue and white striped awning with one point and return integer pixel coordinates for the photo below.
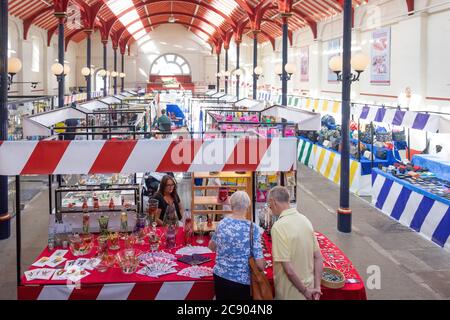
(407, 119)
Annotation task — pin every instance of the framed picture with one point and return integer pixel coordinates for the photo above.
(380, 49)
(334, 49)
(304, 64)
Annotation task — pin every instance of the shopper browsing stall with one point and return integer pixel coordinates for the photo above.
(297, 260)
(231, 242)
(167, 196)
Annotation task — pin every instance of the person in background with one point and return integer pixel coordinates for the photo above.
(297, 260)
(167, 196)
(163, 123)
(231, 241)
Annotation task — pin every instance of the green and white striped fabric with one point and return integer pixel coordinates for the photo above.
(305, 152)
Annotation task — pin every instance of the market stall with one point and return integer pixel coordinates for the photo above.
(134, 275)
(418, 201)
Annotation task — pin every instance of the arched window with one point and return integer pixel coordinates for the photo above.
(170, 65)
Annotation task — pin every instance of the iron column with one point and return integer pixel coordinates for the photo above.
(226, 69)
(284, 77)
(122, 80)
(218, 70)
(5, 217)
(88, 64)
(237, 68)
(105, 65)
(255, 63)
(61, 83)
(115, 69)
(344, 223)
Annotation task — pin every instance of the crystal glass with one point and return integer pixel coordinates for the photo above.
(102, 245)
(152, 211)
(130, 240)
(201, 231)
(103, 222)
(80, 245)
(114, 241)
(128, 261)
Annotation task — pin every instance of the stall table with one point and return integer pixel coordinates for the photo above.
(327, 162)
(412, 206)
(113, 285)
(434, 163)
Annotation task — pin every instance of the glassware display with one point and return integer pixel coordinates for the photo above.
(124, 222)
(170, 223)
(152, 211)
(128, 261)
(80, 245)
(130, 240)
(139, 229)
(114, 241)
(103, 221)
(154, 240)
(188, 228)
(102, 245)
(200, 230)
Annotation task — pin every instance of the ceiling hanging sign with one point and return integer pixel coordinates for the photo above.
(380, 73)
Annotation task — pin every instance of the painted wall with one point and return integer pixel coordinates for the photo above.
(419, 61)
(418, 54)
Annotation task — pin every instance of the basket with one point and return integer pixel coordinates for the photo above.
(333, 284)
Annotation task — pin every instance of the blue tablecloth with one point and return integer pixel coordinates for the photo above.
(433, 163)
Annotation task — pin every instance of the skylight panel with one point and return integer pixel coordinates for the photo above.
(129, 17)
(135, 27)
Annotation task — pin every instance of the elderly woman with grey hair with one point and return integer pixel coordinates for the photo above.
(231, 241)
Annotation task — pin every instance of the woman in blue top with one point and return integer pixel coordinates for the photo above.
(231, 241)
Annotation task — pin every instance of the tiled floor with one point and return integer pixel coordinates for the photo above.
(411, 267)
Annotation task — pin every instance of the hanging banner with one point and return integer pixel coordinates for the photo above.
(380, 72)
(334, 49)
(304, 64)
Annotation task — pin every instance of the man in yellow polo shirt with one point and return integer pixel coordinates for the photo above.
(297, 261)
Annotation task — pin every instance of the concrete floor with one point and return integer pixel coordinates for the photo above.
(411, 267)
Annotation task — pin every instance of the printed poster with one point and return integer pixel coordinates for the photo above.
(334, 49)
(380, 72)
(304, 64)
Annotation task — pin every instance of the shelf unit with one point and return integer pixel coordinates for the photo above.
(231, 180)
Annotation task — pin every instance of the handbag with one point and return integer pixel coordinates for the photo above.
(260, 288)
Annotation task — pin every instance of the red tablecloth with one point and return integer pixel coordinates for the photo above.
(113, 284)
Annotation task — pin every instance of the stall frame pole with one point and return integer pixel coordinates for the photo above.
(122, 80)
(18, 232)
(218, 70)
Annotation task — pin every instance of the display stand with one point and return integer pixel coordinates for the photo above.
(230, 181)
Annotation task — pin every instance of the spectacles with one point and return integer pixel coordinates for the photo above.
(170, 185)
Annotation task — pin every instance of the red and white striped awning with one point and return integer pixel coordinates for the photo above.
(131, 156)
